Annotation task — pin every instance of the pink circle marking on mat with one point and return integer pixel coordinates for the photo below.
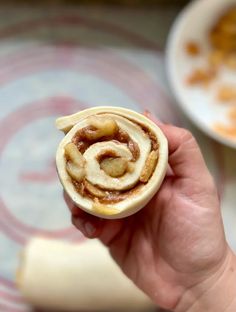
(109, 67)
(10, 125)
(8, 284)
(76, 20)
(10, 293)
(10, 296)
(7, 307)
(73, 20)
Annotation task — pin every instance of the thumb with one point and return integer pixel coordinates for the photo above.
(185, 157)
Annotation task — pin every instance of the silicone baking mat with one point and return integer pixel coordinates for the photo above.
(58, 61)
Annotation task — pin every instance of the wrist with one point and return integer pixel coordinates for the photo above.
(216, 293)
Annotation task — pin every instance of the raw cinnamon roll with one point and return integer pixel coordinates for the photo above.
(111, 161)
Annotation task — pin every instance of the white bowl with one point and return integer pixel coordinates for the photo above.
(199, 104)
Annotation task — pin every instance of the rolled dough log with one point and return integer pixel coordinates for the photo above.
(76, 277)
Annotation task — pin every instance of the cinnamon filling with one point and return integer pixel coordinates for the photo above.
(109, 197)
(82, 142)
(113, 165)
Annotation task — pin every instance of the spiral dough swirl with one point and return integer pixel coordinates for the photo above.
(111, 161)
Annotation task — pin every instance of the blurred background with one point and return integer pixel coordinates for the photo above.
(58, 57)
(123, 3)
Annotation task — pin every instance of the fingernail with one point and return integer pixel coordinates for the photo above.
(146, 113)
(90, 229)
(156, 120)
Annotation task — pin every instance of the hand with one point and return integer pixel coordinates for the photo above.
(176, 244)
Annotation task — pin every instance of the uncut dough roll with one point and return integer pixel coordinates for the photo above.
(67, 277)
(111, 161)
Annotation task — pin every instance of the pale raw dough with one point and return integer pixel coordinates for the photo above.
(82, 277)
(126, 120)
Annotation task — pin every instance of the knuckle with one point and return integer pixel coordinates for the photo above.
(187, 135)
(188, 138)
